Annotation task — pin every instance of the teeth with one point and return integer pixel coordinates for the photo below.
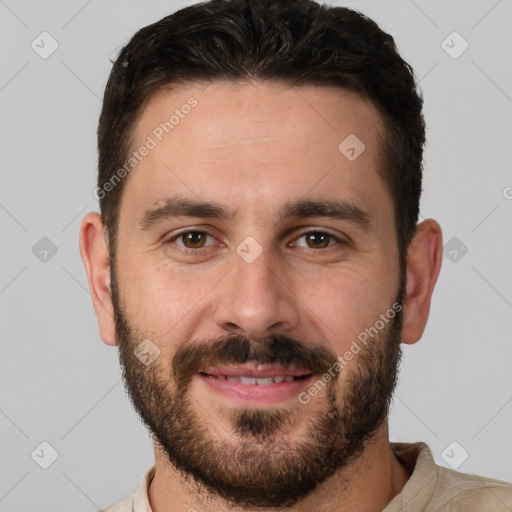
(263, 381)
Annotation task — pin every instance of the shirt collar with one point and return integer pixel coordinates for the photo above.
(418, 490)
(141, 497)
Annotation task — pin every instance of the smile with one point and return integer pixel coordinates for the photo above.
(259, 381)
(255, 384)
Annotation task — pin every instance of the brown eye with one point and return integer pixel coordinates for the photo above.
(193, 242)
(314, 239)
(193, 239)
(317, 239)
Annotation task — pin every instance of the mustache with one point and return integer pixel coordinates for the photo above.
(191, 357)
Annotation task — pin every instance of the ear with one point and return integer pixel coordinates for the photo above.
(94, 253)
(424, 257)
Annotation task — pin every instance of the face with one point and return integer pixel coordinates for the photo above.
(249, 301)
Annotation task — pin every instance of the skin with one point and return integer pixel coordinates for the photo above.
(253, 147)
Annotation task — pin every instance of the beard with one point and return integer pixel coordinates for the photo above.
(256, 464)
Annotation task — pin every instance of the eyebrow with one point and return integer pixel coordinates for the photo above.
(180, 206)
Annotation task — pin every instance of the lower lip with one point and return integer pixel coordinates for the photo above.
(253, 394)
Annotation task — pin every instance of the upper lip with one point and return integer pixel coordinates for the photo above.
(255, 370)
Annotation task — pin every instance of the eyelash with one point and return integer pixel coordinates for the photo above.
(200, 250)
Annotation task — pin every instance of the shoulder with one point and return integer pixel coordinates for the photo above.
(139, 500)
(472, 493)
(124, 505)
(434, 488)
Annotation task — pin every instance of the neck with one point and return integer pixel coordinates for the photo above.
(368, 484)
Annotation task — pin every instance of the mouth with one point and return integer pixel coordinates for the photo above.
(250, 385)
(259, 381)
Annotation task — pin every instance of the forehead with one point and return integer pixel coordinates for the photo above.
(260, 141)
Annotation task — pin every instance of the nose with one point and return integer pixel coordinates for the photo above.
(257, 298)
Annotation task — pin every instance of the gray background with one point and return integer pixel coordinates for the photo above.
(61, 385)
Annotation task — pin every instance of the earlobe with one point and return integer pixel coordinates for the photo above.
(94, 252)
(424, 257)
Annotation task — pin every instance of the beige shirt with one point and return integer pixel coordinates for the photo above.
(430, 488)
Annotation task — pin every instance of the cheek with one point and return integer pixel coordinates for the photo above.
(158, 297)
(342, 303)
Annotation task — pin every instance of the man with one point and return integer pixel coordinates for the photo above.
(258, 261)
